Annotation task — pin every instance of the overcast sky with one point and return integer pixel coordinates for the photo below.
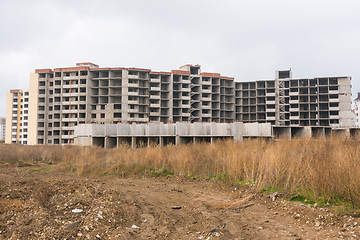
(247, 40)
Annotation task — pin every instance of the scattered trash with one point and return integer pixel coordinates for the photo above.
(214, 230)
(176, 190)
(134, 226)
(223, 226)
(216, 234)
(274, 195)
(145, 221)
(76, 210)
(98, 236)
(175, 207)
(99, 216)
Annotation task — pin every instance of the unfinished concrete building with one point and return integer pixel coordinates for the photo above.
(89, 94)
(285, 101)
(63, 98)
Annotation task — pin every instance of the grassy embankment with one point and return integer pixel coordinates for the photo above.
(321, 170)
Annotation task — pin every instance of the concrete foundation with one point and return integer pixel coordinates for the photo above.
(143, 135)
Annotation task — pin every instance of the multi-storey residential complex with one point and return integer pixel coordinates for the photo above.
(2, 129)
(285, 101)
(89, 94)
(17, 117)
(63, 98)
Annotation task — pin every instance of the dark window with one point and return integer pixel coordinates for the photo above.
(284, 74)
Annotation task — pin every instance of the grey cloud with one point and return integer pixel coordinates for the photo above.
(245, 39)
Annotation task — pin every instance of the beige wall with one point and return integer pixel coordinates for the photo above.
(33, 106)
(9, 104)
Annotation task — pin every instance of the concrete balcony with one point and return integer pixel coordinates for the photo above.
(133, 76)
(70, 94)
(154, 96)
(70, 111)
(67, 136)
(294, 109)
(133, 102)
(67, 128)
(185, 105)
(293, 93)
(270, 118)
(270, 102)
(333, 100)
(69, 119)
(70, 86)
(333, 91)
(206, 90)
(155, 80)
(71, 78)
(270, 94)
(70, 103)
(334, 109)
(293, 101)
(334, 116)
(294, 117)
(133, 93)
(155, 89)
(270, 110)
(133, 110)
(154, 114)
(206, 107)
(155, 105)
(186, 81)
(134, 85)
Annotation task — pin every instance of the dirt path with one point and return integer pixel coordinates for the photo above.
(39, 205)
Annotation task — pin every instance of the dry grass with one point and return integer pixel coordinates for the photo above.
(325, 170)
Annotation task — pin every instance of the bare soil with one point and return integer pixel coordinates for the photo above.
(37, 202)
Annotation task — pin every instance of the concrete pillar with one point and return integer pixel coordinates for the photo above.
(178, 140)
(133, 142)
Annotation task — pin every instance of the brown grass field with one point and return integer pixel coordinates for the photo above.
(324, 170)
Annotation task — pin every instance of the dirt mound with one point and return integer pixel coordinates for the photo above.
(51, 205)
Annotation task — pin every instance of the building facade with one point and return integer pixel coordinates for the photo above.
(63, 98)
(285, 101)
(356, 108)
(2, 129)
(17, 117)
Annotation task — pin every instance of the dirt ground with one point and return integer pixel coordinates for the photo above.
(39, 203)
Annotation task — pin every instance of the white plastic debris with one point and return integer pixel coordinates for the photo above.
(76, 210)
(145, 221)
(99, 216)
(134, 226)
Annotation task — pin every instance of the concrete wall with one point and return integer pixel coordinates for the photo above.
(33, 108)
(112, 135)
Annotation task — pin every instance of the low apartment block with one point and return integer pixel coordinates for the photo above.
(63, 98)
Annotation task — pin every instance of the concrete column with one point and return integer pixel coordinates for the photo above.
(133, 142)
